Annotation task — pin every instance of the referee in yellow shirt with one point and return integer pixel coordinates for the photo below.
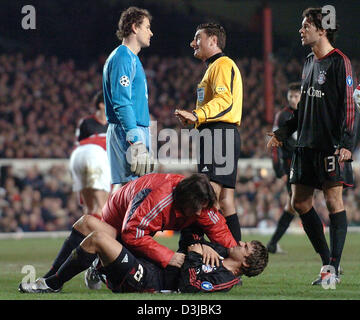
(217, 116)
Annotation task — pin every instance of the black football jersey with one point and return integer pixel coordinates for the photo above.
(325, 119)
(89, 126)
(282, 155)
(198, 277)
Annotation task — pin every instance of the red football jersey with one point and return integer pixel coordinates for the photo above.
(144, 206)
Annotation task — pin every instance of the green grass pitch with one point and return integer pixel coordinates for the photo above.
(287, 276)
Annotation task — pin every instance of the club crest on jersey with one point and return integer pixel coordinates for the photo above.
(322, 77)
(207, 268)
(349, 81)
(206, 285)
(220, 90)
(200, 94)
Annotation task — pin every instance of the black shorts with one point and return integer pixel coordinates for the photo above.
(219, 152)
(312, 168)
(286, 168)
(131, 274)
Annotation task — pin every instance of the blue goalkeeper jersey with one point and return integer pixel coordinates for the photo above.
(125, 91)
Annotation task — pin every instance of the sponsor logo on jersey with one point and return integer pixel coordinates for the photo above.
(349, 81)
(206, 285)
(312, 92)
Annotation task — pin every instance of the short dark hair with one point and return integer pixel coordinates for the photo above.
(128, 18)
(98, 98)
(193, 192)
(315, 16)
(294, 86)
(257, 260)
(214, 29)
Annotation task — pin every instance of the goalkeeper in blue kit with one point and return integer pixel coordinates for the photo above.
(126, 100)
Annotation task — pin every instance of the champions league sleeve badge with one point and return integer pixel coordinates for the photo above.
(206, 285)
(349, 81)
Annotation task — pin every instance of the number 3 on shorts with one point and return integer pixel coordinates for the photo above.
(330, 163)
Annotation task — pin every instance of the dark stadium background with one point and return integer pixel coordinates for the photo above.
(82, 30)
(80, 34)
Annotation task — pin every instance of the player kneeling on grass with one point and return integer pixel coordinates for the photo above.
(125, 272)
(154, 202)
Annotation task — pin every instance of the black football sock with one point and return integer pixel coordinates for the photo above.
(78, 261)
(314, 229)
(117, 271)
(338, 231)
(283, 225)
(69, 245)
(234, 226)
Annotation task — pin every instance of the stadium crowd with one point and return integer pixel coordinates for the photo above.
(42, 100)
(44, 201)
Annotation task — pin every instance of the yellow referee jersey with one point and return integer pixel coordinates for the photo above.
(220, 92)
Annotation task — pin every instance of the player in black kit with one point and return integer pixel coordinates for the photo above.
(94, 124)
(325, 124)
(248, 258)
(281, 159)
(122, 271)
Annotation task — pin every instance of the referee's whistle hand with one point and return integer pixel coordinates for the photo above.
(185, 117)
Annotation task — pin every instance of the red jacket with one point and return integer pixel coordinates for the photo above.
(144, 206)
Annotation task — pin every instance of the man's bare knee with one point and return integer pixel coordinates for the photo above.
(227, 201)
(334, 205)
(301, 206)
(301, 198)
(97, 237)
(85, 225)
(101, 243)
(227, 206)
(333, 198)
(92, 242)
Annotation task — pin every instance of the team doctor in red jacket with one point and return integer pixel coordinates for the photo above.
(151, 203)
(157, 202)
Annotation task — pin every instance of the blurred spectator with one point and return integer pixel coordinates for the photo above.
(48, 205)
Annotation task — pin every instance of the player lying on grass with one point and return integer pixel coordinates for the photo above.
(154, 202)
(123, 271)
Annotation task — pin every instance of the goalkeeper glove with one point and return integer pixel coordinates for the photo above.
(141, 162)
